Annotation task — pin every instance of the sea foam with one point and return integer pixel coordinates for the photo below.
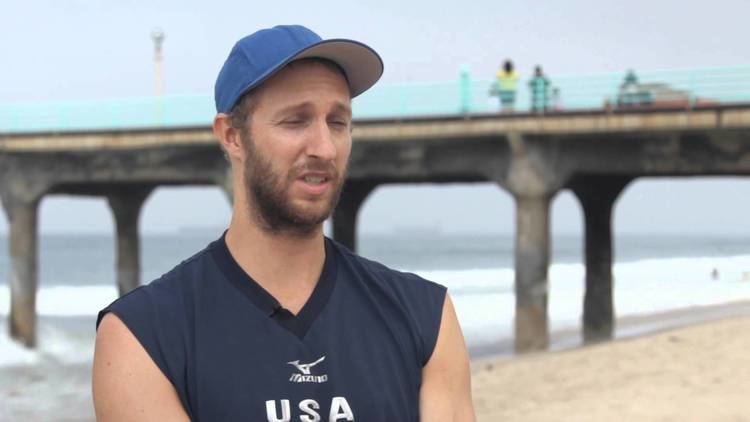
(485, 300)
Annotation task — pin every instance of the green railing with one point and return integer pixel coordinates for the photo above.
(672, 88)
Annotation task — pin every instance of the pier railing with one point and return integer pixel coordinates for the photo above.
(611, 91)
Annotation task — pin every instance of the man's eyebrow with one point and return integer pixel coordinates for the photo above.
(338, 107)
(342, 108)
(292, 108)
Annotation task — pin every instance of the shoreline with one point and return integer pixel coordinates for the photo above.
(629, 326)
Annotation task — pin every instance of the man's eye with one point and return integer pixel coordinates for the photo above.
(293, 122)
(342, 123)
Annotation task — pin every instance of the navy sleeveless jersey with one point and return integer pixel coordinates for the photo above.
(355, 351)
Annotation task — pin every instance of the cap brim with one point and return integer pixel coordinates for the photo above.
(362, 65)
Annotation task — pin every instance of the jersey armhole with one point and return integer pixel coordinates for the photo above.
(137, 313)
(437, 303)
(140, 337)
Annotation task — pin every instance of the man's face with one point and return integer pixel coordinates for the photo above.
(298, 147)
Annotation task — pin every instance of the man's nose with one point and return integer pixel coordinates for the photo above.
(320, 143)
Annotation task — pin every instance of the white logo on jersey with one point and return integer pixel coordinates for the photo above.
(339, 411)
(306, 372)
(305, 367)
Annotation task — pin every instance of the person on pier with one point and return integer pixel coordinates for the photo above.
(540, 87)
(506, 84)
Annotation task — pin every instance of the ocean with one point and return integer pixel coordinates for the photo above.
(653, 273)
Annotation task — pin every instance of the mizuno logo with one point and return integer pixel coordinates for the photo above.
(306, 372)
(305, 367)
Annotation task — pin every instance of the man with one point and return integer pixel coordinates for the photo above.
(539, 85)
(273, 321)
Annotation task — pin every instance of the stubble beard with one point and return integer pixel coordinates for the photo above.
(268, 194)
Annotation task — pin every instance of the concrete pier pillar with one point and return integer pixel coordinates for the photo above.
(126, 204)
(531, 264)
(597, 195)
(533, 177)
(22, 218)
(345, 215)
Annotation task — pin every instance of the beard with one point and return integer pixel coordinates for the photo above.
(268, 193)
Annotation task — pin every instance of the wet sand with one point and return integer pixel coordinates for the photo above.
(46, 392)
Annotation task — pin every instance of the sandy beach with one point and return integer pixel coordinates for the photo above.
(696, 373)
(699, 372)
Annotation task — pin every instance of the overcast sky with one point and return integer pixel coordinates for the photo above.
(81, 49)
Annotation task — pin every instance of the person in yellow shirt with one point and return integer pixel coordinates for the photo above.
(506, 85)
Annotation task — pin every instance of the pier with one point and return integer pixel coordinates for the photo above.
(594, 146)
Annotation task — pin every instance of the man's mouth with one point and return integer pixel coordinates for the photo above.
(315, 184)
(315, 179)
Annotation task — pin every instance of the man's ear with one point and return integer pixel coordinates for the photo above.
(228, 136)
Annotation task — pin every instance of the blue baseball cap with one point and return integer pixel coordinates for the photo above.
(258, 56)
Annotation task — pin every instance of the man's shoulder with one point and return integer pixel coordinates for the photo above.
(160, 315)
(167, 294)
(377, 272)
(407, 299)
(186, 274)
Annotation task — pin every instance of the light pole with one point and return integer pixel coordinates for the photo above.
(158, 36)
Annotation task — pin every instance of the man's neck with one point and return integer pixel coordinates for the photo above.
(286, 265)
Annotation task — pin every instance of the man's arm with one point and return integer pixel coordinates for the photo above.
(446, 379)
(127, 384)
